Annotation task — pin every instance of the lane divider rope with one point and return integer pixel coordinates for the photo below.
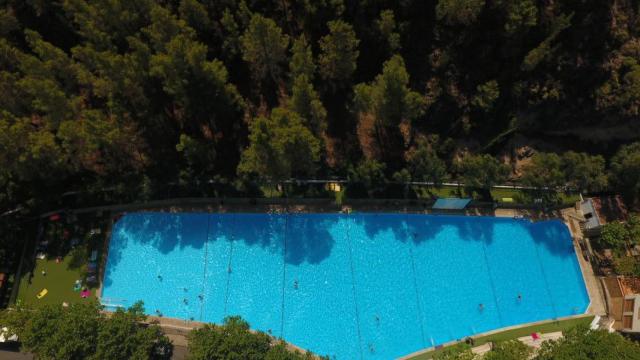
(229, 269)
(284, 273)
(415, 281)
(353, 288)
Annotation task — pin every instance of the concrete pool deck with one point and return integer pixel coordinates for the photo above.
(594, 288)
(177, 330)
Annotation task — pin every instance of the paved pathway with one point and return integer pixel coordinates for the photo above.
(13, 355)
(594, 288)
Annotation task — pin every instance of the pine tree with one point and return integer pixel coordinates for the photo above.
(264, 47)
(339, 52)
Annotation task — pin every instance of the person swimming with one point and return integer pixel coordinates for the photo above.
(295, 284)
(481, 307)
(519, 297)
(160, 277)
(185, 301)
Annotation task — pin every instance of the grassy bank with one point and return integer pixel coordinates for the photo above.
(518, 196)
(553, 326)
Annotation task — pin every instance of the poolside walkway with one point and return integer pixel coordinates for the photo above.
(596, 296)
(177, 331)
(537, 343)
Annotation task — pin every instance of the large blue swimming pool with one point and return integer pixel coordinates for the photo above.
(374, 286)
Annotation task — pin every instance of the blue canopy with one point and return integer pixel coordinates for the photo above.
(451, 203)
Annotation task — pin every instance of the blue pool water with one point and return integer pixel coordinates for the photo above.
(369, 286)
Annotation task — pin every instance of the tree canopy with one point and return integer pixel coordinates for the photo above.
(577, 343)
(545, 170)
(339, 52)
(264, 47)
(81, 331)
(625, 170)
(281, 146)
(616, 234)
(425, 165)
(582, 343)
(118, 101)
(584, 172)
(509, 350)
(482, 171)
(233, 340)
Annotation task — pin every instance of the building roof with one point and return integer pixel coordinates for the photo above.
(590, 214)
(451, 203)
(630, 285)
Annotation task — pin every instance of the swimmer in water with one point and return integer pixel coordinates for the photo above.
(481, 307)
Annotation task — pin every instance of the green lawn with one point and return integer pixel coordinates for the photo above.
(554, 326)
(270, 191)
(441, 191)
(59, 280)
(526, 197)
(518, 196)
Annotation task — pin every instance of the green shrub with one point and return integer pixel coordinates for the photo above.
(626, 265)
(614, 235)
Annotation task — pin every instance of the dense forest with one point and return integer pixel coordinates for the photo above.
(129, 97)
(107, 101)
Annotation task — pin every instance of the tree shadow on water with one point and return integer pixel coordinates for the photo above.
(420, 227)
(554, 235)
(308, 238)
(469, 228)
(375, 224)
(163, 231)
(264, 230)
(475, 228)
(307, 235)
